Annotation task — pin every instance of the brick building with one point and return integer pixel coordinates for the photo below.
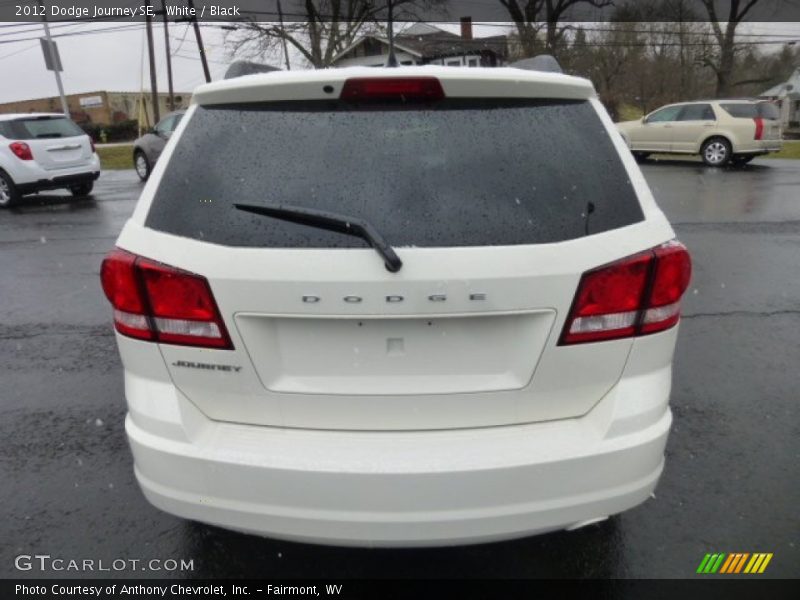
(101, 108)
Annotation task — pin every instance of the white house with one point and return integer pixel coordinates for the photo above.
(424, 44)
(787, 95)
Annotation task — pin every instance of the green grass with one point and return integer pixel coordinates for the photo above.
(790, 150)
(116, 157)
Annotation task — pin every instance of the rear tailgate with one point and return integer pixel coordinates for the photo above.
(378, 364)
(55, 141)
(770, 113)
(496, 207)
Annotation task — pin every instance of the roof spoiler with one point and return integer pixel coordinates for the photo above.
(542, 62)
(246, 67)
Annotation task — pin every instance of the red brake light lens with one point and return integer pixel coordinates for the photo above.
(634, 296)
(91, 143)
(392, 88)
(759, 128)
(673, 270)
(123, 290)
(161, 303)
(21, 150)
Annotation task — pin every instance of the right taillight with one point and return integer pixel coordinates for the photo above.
(759, 128)
(634, 296)
(156, 302)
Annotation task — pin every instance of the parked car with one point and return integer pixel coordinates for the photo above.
(44, 151)
(720, 131)
(149, 147)
(368, 306)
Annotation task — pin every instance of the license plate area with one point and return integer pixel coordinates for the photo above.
(395, 356)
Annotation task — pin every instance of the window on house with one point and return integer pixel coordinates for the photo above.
(372, 47)
(453, 63)
(473, 62)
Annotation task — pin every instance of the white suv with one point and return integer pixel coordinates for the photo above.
(44, 151)
(402, 306)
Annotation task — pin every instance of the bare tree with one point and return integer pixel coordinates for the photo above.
(526, 20)
(532, 16)
(722, 61)
(554, 10)
(327, 28)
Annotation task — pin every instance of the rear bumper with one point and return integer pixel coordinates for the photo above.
(58, 182)
(400, 488)
(761, 147)
(29, 176)
(348, 498)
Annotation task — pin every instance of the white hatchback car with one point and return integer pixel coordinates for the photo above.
(44, 151)
(378, 306)
(720, 131)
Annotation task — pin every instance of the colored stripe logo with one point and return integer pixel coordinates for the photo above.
(734, 563)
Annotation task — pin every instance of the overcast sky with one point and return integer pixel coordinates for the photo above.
(112, 60)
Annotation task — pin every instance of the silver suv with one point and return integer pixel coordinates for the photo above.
(720, 131)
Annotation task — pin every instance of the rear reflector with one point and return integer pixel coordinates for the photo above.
(392, 88)
(759, 128)
(637, 295)
(160, 303)
(21, 150)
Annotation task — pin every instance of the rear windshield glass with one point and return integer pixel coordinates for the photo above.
(765, 110)
(41, 127)
(454, 173)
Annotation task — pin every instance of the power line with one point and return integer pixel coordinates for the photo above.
(86, 32)
(25, 49)
(573, 27)
(218, 62)
(37, 26)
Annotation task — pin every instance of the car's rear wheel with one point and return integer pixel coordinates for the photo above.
(740, 160)
(9, 195)
(141, 164)
(716, 152)
(82, 189)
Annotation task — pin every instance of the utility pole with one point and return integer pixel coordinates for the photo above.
(54, 60)
(283, 38)
(169, 56)
(391, 60)
(153, 79)
(199, 38)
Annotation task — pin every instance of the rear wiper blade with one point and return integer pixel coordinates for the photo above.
(332, 222)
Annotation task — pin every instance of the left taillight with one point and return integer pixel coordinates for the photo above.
(91, 143)
(159, 303)
(637, 295)
(21, 150)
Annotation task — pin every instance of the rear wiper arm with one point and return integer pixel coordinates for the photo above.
(332, 222)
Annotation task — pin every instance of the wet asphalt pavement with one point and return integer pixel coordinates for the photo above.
(731, 481)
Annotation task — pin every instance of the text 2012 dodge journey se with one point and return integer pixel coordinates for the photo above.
(410, 306)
